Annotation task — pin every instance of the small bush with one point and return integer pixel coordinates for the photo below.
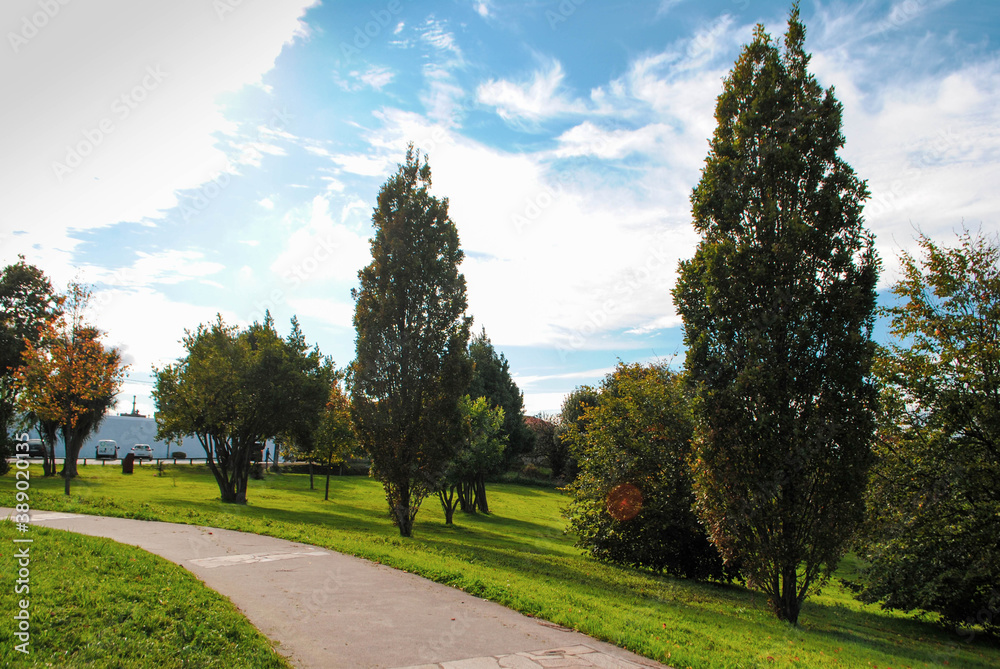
(632, 499)
(179, 455)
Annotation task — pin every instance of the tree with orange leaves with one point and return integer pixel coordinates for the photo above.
(69, 377)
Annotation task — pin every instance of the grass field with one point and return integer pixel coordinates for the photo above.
(521, 557)
(97, 603)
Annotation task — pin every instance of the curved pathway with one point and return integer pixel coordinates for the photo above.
(329, 610)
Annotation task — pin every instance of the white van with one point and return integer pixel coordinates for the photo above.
(107, 449)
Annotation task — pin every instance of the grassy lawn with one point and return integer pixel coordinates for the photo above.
(97, 603)
(521, 557)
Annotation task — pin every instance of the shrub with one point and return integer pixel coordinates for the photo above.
(632, 500)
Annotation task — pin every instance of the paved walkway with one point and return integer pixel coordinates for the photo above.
(329, 610)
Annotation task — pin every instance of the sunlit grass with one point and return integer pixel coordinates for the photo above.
(521, 557)
(96, 603)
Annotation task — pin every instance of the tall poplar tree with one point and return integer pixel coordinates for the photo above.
(778, 306)
(412, 367)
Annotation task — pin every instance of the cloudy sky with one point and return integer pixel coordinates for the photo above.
(196, 157)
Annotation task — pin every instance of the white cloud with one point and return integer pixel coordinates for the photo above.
(320, 248)
(554, 258)
(140, 125)
(666, 6)
(539, 98)
(928, 146)
(149, 269)
(483, 8)
(589, 139)
(435, 34)
(375, 77)
(338, 314)
(526, 381)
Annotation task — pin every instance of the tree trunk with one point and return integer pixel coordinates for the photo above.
(398, 494)
(465, 497)
(329, 465)
(274, 466)
(481, 503)
(786, 601)
(405, 521)
(448, 503)
(311, 487)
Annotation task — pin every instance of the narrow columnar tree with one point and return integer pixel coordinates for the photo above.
(778, 306)
(412, 366)
(491, 379)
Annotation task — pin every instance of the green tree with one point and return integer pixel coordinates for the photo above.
(234, 390)
(463, 482)
(412, 365)
(69, 379)
(335, 438)
(561, 458)
(27, 304)
(491, 379)
(546, 447)
(934, 498)
(304, 419)
(632, 500)
(778, 306)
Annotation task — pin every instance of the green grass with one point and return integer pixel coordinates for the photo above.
(97, 603)
(520, 556)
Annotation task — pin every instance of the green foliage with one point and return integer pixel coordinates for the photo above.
(934, 498)
(481, 452)
(632, 498)
(235, 389)
(27, 303)
(491, 379)
(547, 446)
(412, 366)
(68, 380)
(562, 459)
(304, 418)
(778, 306)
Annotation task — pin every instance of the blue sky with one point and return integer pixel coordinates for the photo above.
(204, 156)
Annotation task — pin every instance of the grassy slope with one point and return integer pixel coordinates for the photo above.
(125, 609)
(521, 557)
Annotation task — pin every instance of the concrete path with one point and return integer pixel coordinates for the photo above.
(329, 610)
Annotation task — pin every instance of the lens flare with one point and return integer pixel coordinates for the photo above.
(624, 502)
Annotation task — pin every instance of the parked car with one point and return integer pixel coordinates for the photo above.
(35, 448)
(107, 449)
(142, 452)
